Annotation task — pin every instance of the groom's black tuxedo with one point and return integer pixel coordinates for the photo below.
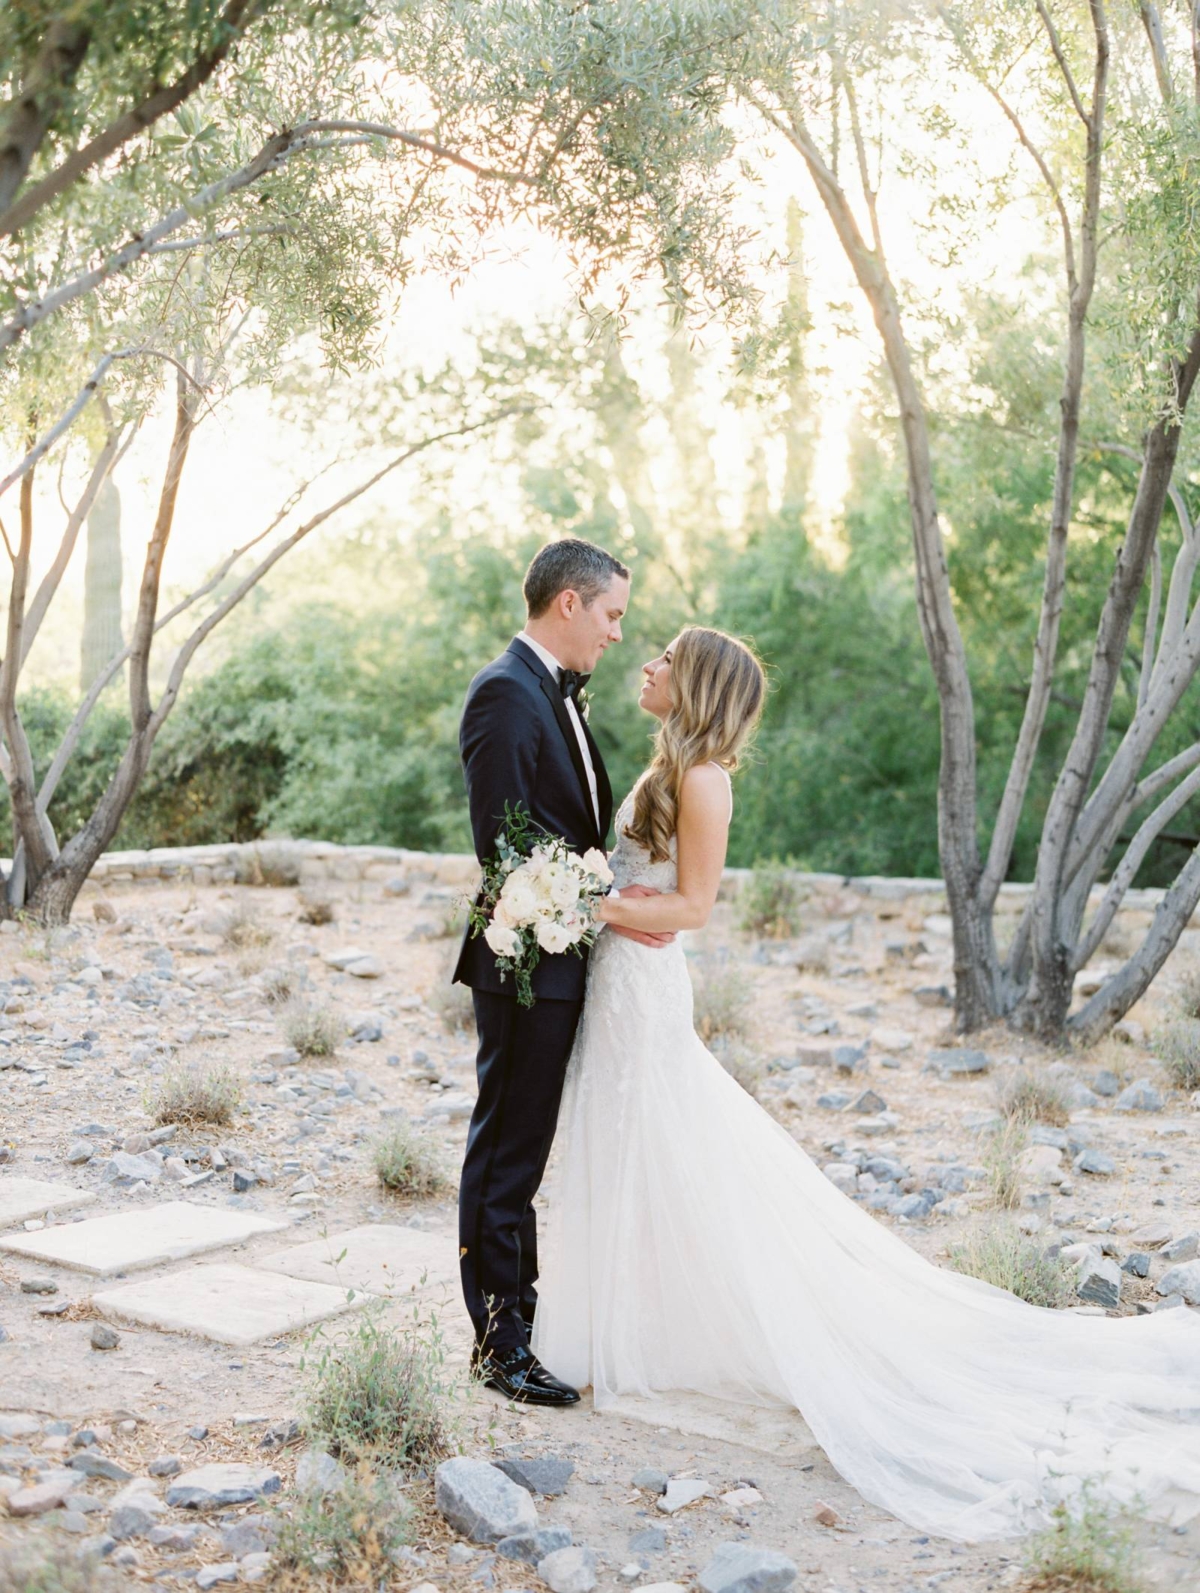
(518, 746)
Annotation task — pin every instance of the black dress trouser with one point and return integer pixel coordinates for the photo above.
(521, 1063)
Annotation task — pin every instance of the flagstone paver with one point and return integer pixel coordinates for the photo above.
(380, 1257)
(129, 1240)
(22, 1198)
(225, 1302)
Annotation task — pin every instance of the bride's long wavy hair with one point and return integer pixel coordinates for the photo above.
(717, 690)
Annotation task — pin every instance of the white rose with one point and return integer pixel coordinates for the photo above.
(536, 861)
(553, 937)
(504, 941)
(596, 863)
(501, 914)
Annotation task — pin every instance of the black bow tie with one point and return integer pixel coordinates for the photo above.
(571, 683)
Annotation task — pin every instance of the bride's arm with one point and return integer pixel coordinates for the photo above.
(702, 832)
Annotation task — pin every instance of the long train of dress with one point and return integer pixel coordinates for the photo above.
(692, 1245)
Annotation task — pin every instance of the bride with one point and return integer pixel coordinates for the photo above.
(694, 1246)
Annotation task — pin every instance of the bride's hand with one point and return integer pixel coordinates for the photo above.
(642, 936)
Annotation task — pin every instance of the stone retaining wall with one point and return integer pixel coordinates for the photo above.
(313, 862)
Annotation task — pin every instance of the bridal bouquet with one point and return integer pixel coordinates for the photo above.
(536, 896)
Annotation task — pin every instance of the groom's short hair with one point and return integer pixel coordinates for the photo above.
(569, 565)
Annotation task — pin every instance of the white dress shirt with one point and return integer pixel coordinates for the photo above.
(556, 669)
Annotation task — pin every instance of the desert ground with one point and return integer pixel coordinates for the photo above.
(277, 1227)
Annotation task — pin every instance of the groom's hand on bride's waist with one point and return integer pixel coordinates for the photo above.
(642, 936)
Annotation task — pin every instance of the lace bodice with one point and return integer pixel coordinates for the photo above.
(631, 863)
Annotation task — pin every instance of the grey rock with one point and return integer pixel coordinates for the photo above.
(915, 1206)
(1185, 1248)
(849, 1058)
(462, 1554)
(252, 1535)
(1182, 1280)
(131, 1520)
(122, 1168)
(571, 1570)
(243, 1180)
(78, 1153)
(210, 1575)
(38, 1286)
(84, 1504)
(744, 1568)
(1094, 1162)
(544, 1474)
(834, 1100)
(94, 1465)
(166, 1466)
(218, 1484)
(1140, 1096)
(534, 1546)
(104, 1337)
(1078, 1096)
(1106, 1082)
(172, 1537)
(869, 1103)
(318, 1473)
(650, 1540)
(482, 1503)
(367, 1030)
(683, 1491)
(651, 1480)
(280, 1433)
(959, 1062)
(1099, 1281)
(1137, 1264)
(198, 1434)
(933, 995)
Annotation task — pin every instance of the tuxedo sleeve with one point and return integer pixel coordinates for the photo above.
(499, 739)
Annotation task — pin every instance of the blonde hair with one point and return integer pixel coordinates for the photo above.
(717, 689)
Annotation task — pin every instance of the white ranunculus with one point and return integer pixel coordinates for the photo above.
(553, 937)
(505, 942)
(501, 914)
(537, 861)
(596, 863)
(519, 896)
(564, 890)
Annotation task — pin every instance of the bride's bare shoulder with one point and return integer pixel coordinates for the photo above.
(704, 790)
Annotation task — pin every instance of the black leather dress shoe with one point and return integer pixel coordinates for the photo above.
(520, 1376)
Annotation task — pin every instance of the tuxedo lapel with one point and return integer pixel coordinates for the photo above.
(555, 698)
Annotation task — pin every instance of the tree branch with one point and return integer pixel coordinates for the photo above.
(1152, 23)
(38, 102)
(1063, 65)
(232, 23)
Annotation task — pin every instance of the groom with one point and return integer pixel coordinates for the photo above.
(524, 741)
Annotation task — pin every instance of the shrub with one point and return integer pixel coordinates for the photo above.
(722, 993)
(1088, 1548)
(741, 1063)
(1002, 1161)
(348, 1534)
(1005, 1257)
(1177, 1047)
(1032, 1097)
(282, 983)
(242, 928)
(408, 1162)
(1187, 993)
(378, 1395)
(316, 907)
(47, 1567)
(192, 1095)
(312, 1027)
(769, 904)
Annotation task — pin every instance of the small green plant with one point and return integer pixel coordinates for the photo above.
(243, 930)
(1089, 1547)
(44, 1566)
(408, 1162)
(769, 903)
(378, 1395)
(1002, 1162)
(1005, 1257)
(312, 1027)
(1177, 1046)
(1033, 1097)
(316, 907)
(348, 1534)
(722, 994)
(192, 1095)
(282, 983)
(275, 865)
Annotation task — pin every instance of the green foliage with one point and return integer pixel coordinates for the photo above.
(194, 1094)
(1032, 1097)
(1002, 1161)
(409, 1163)
(769, 902)
(43, 1566)
(379, 1395)
(312, 1027)
(1090, 1547)
(1006, 1258)
(722, 997)
(346, 1536)
(1177, 1046)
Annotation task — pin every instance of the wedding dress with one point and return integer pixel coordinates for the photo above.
(692, 1245)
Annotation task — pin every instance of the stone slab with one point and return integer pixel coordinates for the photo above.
(383, 1258)
(129, 1240)
(227, 1303)
(22, 1198)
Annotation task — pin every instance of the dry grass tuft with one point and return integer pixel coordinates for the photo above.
(316, 907)
(242, 929)
(722, 997)
(191, 1095)
(409, 1163)
(274, 864)
(1177, 1046)
(43, 1566)
(769, 903)
(1031, 1097)
(1003, 1256)
(1002, 1162)
(1089, 1548)
(312, 1027)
